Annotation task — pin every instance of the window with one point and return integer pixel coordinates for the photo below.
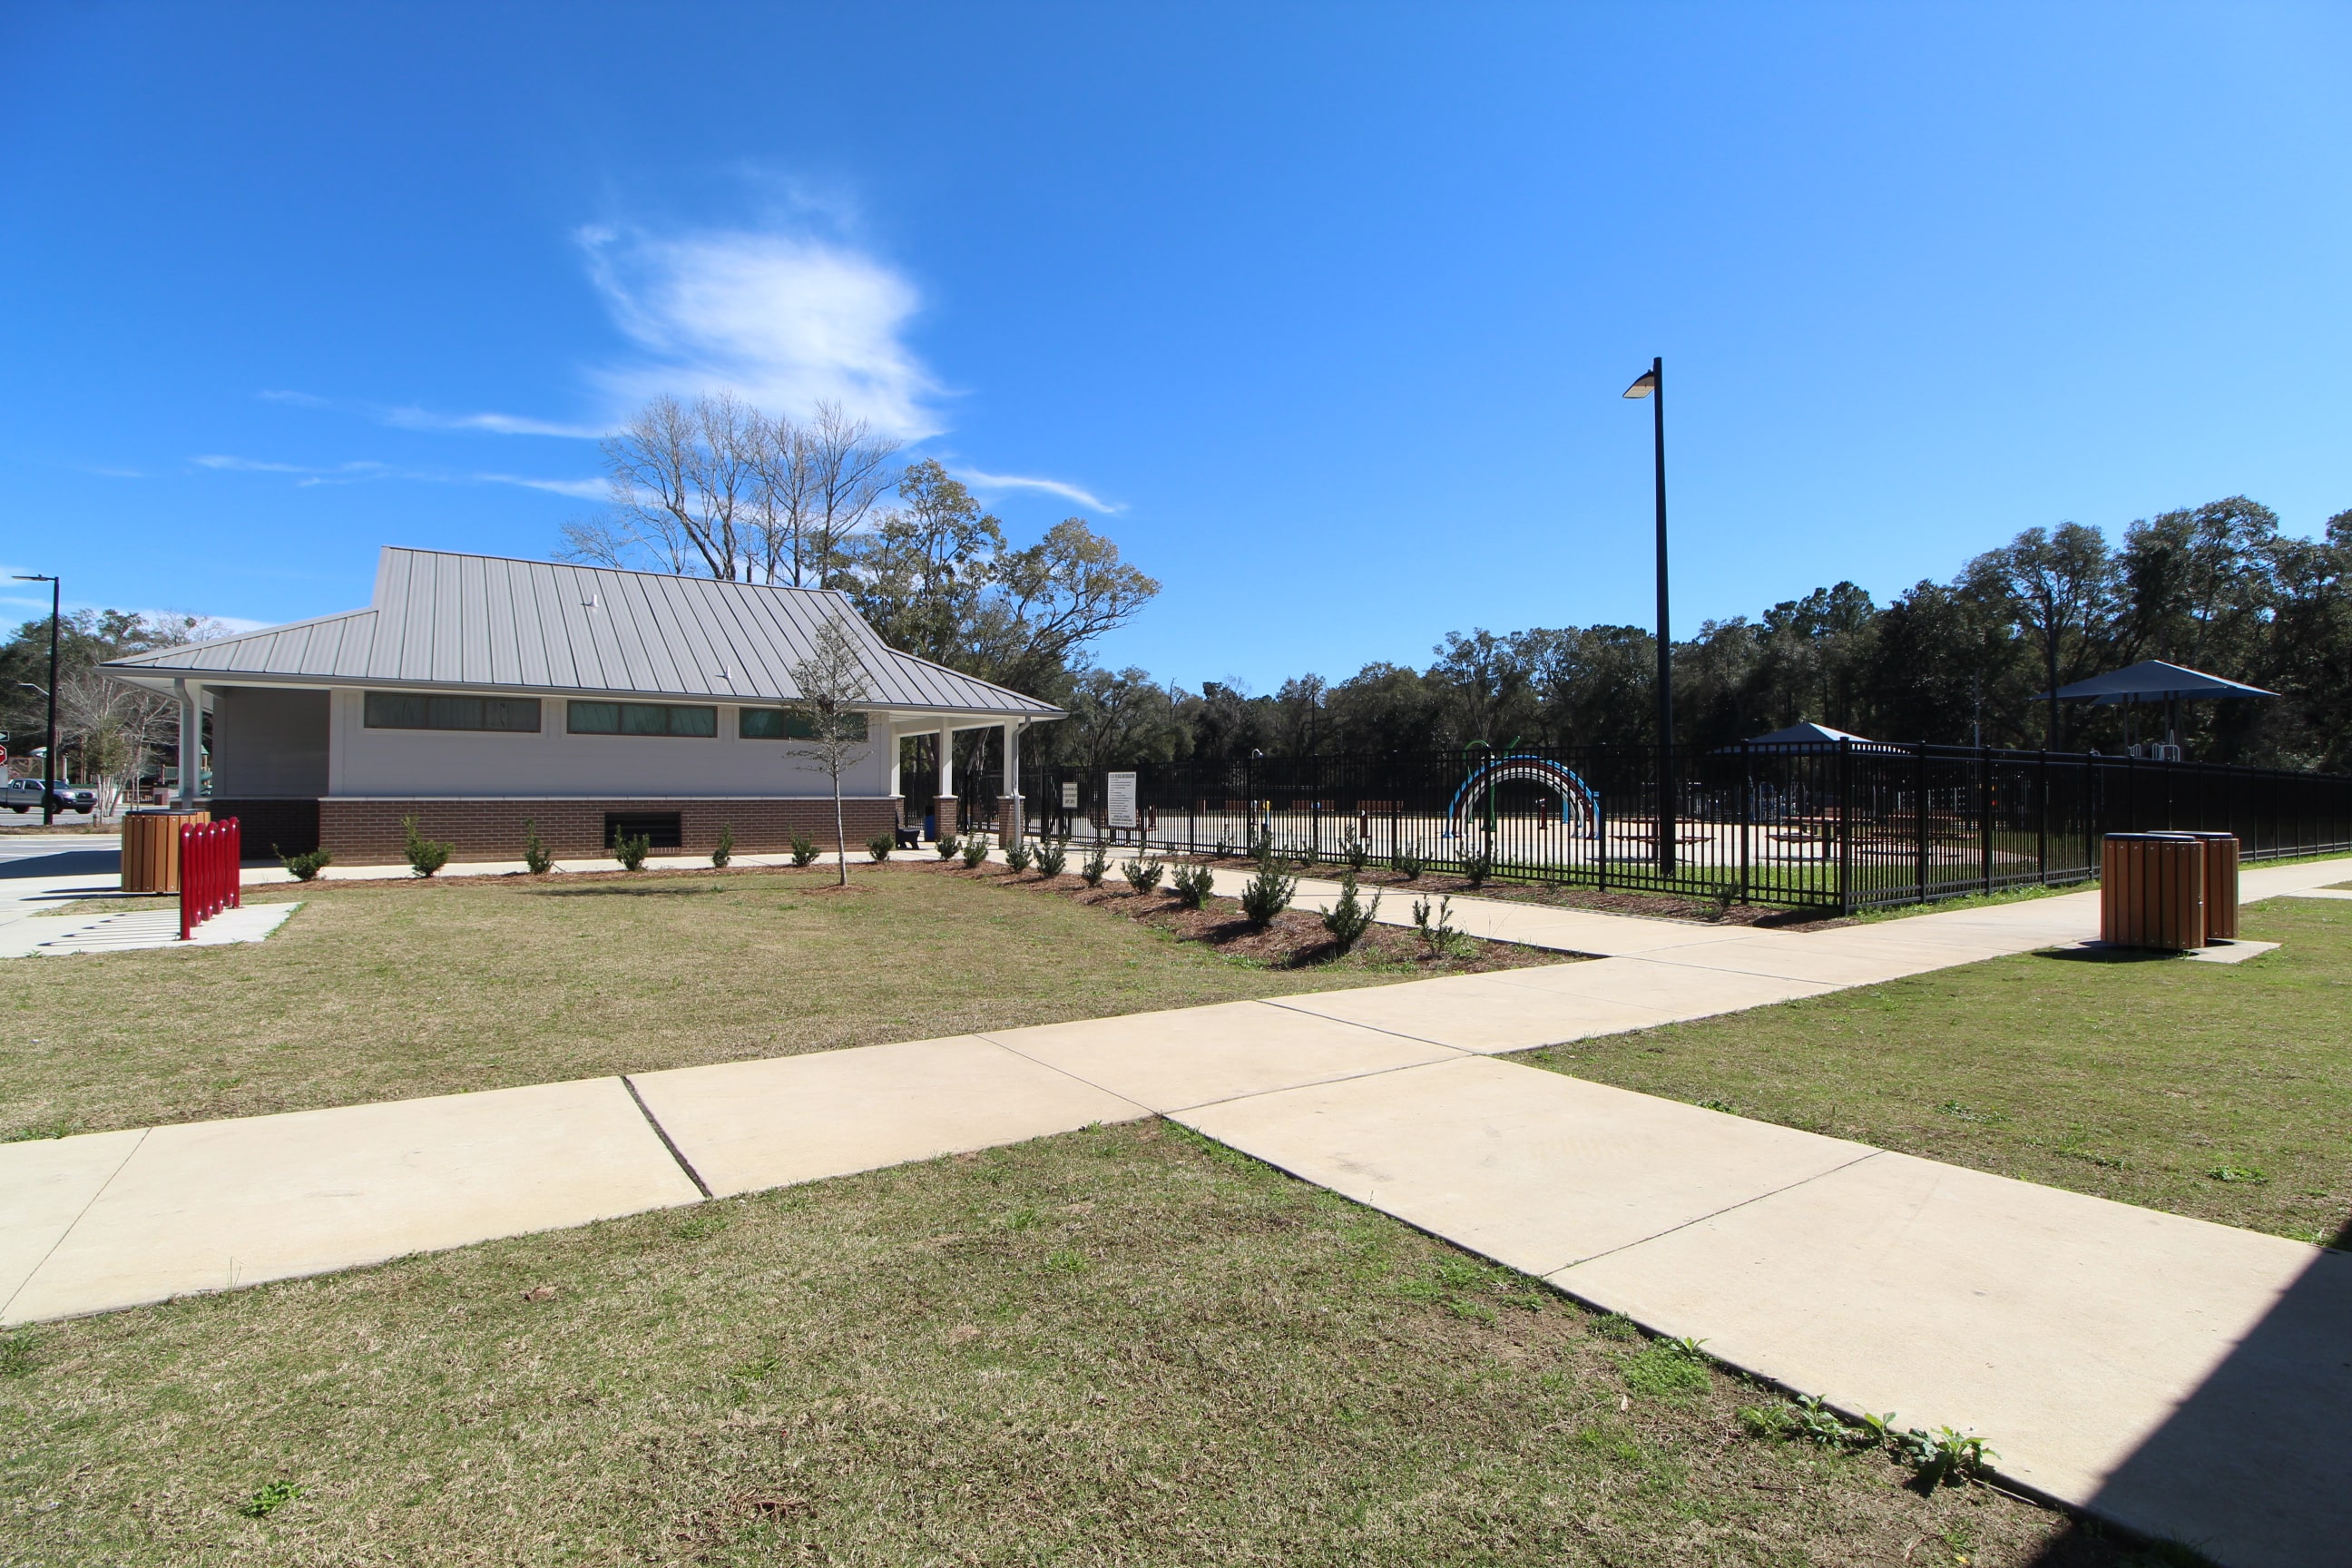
(642, 719)
(660, 828)
(421, 711)
(784, 724)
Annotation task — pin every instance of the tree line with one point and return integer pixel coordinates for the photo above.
(2216, 587)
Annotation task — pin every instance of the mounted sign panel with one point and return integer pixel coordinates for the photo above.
(1069, 796)
(1119, 802)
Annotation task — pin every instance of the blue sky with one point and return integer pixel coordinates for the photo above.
(1321, 311)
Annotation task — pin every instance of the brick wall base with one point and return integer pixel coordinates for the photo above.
(368, 832)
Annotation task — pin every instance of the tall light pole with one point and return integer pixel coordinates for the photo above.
(49, 753)
(1651, 384)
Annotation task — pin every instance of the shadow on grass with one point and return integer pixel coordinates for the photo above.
(608, 891)
(2107, 955)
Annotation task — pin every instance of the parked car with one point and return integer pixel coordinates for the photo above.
(21, 796)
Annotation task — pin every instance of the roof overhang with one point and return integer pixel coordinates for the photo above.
(165, 677)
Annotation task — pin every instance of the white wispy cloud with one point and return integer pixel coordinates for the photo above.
(305, 474)
(984, 481)
(783, 322)
(412, 418)
(581, 490)
(261, 465)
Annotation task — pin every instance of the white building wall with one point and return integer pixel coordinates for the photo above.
(553, 763)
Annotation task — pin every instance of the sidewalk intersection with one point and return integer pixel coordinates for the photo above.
(2180, 1378)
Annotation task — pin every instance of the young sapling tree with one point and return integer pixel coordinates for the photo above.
(832, 681)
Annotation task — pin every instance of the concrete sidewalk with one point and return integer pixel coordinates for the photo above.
(2182, 1378)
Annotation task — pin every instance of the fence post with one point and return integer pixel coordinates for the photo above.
(1747, 815)
(1920, 826)
(1845, 827)
(2042, 814)
(1984, 816)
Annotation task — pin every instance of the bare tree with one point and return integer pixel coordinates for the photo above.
(683, 482)
(784, 476)
(831, 682)
(115, 726)
(848, 470)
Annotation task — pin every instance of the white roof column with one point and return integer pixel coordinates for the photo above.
(192, 739)
(1008, 794)
(945, 802)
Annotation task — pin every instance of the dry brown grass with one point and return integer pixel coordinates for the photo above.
(1120, 1346)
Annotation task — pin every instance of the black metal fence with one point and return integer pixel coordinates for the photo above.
(1864, 823)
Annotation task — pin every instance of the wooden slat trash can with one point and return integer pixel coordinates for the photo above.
(151, 848)
(2152, 890)
(2220, 885)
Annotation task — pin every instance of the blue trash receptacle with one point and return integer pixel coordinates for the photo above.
(931, 827)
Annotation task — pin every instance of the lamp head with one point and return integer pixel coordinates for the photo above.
(1644, 384)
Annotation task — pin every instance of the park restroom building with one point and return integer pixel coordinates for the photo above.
(475, 693)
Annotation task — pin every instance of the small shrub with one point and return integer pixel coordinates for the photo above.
(1476, 868)
(878, 848)
(306, 866)
(803, 849)
(1348, 919)
(1357, 853)
(1409, 863)
(1435, 925)
(1267, 893)
(535, 858)
(425, 856)
(975, 852)
(1095, 866)
(1193, 884)
(630, 848)
(1053, 857)
(1019, 856)
(1260, 845)
(948, 845)
(724, 851)
(269, 1500)
(1143, 875)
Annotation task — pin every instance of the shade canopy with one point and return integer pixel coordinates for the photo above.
(2151, 681)
(1812, 737)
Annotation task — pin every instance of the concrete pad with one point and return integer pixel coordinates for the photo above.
(2187, 1379)
(2317, 893)
(1531, 1168)
(1198, 1054)
(135, 931)
(746, 1126)
(1674, 991)
(211, 1205)
(1479, 1013)
(44, 1185)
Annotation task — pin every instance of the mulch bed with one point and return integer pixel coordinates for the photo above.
(1656, 906)
(1294, 940)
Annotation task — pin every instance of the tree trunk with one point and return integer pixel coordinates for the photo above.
(840, 834)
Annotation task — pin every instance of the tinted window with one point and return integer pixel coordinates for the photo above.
(430, 710)
(642, 719)
(788, 724)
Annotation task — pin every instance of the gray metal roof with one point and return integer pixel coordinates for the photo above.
(485, 623)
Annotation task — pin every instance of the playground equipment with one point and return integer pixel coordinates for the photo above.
(1579, 808)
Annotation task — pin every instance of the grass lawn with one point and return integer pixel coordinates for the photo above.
(387, 990)
(2215, 1091)
(1121, 1345)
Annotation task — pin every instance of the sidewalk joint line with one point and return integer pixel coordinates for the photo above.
(667, 1142)
(74, 1223)
(1717, 1213)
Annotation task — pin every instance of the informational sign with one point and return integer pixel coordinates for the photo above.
(1069, 796)
(1119, 802)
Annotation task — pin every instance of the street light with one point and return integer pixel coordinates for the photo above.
(50, 752)
(1651, 384)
